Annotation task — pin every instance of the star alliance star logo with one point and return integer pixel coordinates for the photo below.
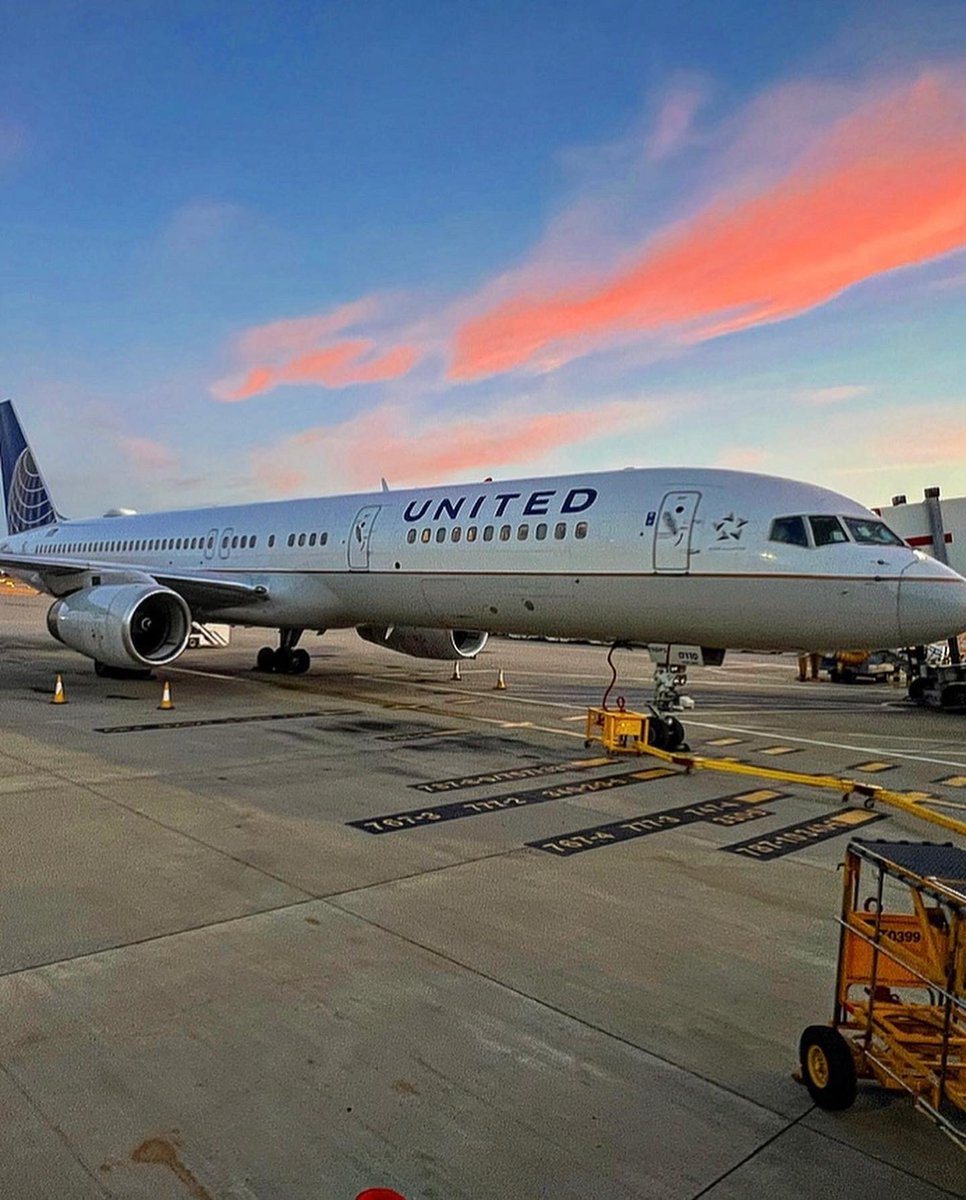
(729, 528)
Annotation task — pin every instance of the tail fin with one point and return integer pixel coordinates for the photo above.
(26, 498)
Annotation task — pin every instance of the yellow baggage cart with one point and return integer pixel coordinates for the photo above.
(900, 989)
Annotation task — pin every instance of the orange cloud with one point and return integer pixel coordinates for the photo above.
(340, 365)
(883, 188)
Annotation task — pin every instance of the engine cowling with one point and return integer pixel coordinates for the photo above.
(125, 626)
(448, 644)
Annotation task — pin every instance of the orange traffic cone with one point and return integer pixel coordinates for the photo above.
(166, 701)
(500, 685)
(59, 696)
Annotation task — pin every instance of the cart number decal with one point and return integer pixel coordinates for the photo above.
(903, 935)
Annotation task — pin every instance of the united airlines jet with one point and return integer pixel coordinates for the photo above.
(706, 557)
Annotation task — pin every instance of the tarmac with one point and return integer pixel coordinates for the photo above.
(372, 926)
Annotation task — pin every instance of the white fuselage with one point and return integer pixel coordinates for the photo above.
(670, 555)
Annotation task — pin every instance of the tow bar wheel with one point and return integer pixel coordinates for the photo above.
(828, 1069)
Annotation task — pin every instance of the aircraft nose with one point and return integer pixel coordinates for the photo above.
(932, 602)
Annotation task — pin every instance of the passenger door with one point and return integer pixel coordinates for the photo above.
(359, 537)
(672, 536)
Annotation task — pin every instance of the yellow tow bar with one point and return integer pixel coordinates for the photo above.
(622, 731)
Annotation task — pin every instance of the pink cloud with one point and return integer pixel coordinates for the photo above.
(299, 351)
(411, 449)
(674, 121)
(881, 188)
(294, 335)
(838, 394)
(147, 454)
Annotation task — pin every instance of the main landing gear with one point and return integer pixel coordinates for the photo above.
(286, 660)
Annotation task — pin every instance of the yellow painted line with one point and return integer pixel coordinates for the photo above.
(872, 768)
(775, 751)
(725, 741)
(953, 781)
(852, 816)
(759, 796)
(579, 764)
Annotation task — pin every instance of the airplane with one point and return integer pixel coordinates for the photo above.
(708, 557)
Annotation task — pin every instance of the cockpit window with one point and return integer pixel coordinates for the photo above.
(827, 531)
(790, 530)
(872, 533)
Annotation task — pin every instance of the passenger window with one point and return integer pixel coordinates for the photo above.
(872, 533)
(251, 542)
(541, 531)
(291, 539)
(471, 533)
(580, 529)
(311, 539)
(426, 535)
(505, 532)
(323, 538)
(411, 536)
(234, 542)
(457, 533)
(225, 542)
(790, 531)
(301, 539)
(827, 531)
(441, 534)
(523, 532)
(560, 530)
(488, 533)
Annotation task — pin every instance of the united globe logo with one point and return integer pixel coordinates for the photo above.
(28, 505)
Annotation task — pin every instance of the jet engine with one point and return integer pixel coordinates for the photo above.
(126, 626)
(446, 644)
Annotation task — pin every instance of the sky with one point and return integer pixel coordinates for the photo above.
(259, 250)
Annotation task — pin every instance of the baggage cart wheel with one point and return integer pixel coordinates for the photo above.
(828, 1068)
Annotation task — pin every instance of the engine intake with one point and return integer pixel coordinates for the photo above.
(447, 644)
(123, 625)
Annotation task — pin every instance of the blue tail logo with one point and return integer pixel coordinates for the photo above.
(26, 498)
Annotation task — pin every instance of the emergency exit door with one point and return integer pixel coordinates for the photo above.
(672, 537)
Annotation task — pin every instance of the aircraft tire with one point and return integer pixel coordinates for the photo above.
(300, 662)
(675, 733)
(282, 660)
(265, 660)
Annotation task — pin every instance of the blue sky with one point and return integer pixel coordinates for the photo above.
(270, 249)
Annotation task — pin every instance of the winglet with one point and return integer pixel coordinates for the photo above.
(27, 501)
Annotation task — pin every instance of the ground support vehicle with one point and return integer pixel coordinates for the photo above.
(936, 527)
(849, 666)
(900, 990)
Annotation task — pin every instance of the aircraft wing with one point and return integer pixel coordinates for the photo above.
(201, 590)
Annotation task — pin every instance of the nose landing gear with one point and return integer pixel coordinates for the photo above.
(286, 660)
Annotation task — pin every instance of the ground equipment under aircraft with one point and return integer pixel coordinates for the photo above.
(900, 990)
